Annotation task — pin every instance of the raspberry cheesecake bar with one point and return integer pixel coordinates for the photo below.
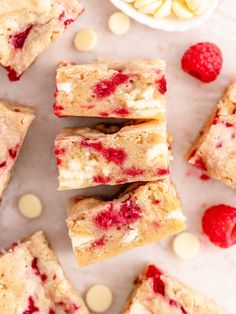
(142, 214)
(14, 123)
(156, 292)
(112, 154)
(215, 149)
(32, 281)
(120, 89)
(28, 27)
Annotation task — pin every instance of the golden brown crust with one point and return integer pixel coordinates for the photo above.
(138, 93)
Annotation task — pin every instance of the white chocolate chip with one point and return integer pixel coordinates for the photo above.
(202, 8)
(181, 10)
(164, 10)
(119, 23)
(186, 245)
(85, 40)
(30, 206)
(193, 4)
(142, 3)
(150, 8)
(99, 298)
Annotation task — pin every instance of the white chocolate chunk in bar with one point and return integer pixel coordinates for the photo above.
(121, 89)
(14, 123)
(101, 229)
(112, 154)
(27, 27)
(32, 281)
(156, 292)
(214, 151)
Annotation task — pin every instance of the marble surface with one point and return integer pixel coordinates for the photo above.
(213, 271)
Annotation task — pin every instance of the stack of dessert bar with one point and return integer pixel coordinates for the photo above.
(135, 152)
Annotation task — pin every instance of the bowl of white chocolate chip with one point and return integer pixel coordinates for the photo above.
(168, 15)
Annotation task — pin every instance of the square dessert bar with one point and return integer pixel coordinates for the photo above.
(30, 26)
(14, 123)
(121, 89)
(215, 149)
(32, 281)
(142, 214)
(112, 154)
(156, 292)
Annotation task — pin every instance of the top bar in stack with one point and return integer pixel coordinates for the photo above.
(120, 89)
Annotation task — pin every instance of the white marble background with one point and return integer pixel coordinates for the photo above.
(213, 272)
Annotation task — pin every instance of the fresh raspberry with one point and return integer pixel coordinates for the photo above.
(219, 224)
(203, 61)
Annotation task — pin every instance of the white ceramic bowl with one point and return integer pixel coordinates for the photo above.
(170, 24)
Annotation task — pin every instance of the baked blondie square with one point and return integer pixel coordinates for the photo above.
(32, 281)
(142, 214)
(27, 27)
(121, 89)
(112, 154)
(158, 293)
(14, 123)
(215, 148)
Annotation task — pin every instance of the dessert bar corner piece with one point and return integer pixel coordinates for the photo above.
(112, 154)
(30, 26)
(144, 213)
(157, 292)
(214, 151)
(32, 281)
(121, 89)
(14, 123)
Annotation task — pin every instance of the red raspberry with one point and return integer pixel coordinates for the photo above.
(219, 224)
(203, 61)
